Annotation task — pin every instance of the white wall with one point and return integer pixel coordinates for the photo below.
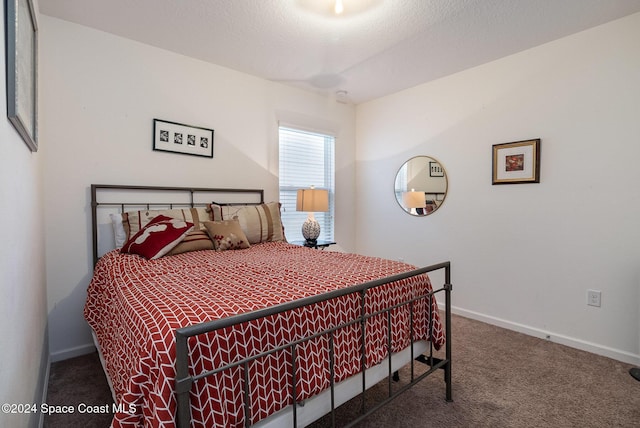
(23, 316)
(523, 256)
(101, 94)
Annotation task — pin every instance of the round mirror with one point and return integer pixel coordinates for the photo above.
(421, 185)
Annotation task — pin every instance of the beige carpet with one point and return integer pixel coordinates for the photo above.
(500, 379)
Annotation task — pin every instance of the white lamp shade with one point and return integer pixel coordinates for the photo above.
(413, 199)
(312, 200)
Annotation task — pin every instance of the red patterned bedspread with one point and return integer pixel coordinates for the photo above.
(134, 306)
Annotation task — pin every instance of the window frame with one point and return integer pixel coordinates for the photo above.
(291, 219)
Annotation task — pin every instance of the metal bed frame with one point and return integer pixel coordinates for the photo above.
(184, 381)
(191, 201)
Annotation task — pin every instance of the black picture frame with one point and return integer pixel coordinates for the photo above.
(22, 69)
(435, 169)
(184, 139)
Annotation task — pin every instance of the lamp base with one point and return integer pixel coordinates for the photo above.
(311, 230)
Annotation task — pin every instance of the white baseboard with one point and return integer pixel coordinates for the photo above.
(72, 352)
(594, 348)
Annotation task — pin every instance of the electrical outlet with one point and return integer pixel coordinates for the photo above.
(593, 298)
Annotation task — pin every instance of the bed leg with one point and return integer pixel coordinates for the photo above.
(447, 368)
(447, 379)
(396, 376)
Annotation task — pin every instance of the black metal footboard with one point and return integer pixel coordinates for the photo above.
(184, 380)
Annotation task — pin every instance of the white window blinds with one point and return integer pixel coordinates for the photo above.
(306, 159)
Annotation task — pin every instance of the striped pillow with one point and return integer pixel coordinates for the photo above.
(195, 240)
(260, 223)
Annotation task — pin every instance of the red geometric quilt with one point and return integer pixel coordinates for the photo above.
(134, 306)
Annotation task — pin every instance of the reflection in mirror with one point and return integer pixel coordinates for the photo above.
(421, 185)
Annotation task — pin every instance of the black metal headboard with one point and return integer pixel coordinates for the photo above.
(122, 196)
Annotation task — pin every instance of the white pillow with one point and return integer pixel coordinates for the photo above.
(118, 230)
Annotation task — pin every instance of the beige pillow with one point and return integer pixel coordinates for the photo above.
(226, 235)
(133, 221)
(260, 223)
(195, 240)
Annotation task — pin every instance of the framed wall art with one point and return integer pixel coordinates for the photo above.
(435, 170)
(517, 162)
(22, 69)
(181, 138)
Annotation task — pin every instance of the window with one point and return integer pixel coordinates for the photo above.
(306, 159)
(401, 181)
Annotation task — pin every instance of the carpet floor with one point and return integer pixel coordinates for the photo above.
(500, 379)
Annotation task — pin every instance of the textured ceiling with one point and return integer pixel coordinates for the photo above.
(375, 47)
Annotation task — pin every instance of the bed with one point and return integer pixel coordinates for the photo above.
(264, 334)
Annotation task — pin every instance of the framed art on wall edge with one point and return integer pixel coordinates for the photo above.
(181, 138)
(22, 69)
(517, 162)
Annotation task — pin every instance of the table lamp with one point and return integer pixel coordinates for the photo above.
(413, 200)
(312, 200)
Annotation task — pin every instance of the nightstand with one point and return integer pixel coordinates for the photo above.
(319, 244)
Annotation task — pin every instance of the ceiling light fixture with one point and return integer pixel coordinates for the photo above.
(341, 96)
(339, 7)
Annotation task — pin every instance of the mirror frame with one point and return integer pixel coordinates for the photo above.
(438, 202)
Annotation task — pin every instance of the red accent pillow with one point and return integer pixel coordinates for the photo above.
(158, 237)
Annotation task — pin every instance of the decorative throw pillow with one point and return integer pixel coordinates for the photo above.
(133, 221)
(260, 223)
(158, 237)
(226, 235)
(195, 240)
